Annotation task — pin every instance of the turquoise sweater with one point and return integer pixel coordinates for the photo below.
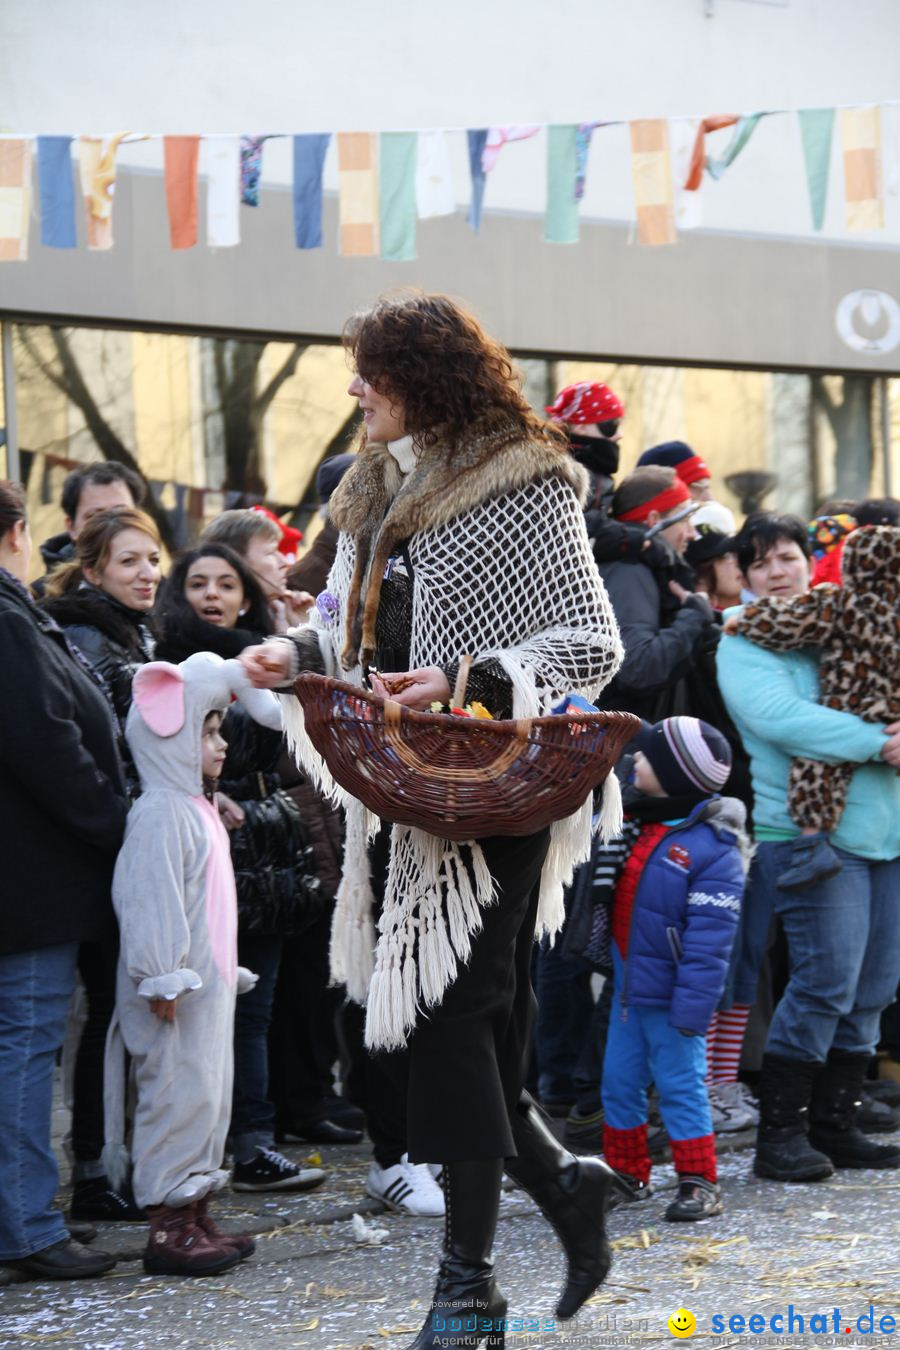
(772, 698)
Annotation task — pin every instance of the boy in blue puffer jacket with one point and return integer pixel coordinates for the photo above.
(674, 918)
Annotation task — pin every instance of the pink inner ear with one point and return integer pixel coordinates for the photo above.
(158, 690)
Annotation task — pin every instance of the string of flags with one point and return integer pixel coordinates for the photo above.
(388, 181)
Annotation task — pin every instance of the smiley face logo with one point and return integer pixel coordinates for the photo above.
(682, 1323)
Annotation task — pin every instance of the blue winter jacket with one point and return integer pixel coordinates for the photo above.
(685, 916)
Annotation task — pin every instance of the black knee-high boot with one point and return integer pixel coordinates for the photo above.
(467, 1308)
(573, 1194)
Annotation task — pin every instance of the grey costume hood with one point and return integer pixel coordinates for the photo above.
(170, 705)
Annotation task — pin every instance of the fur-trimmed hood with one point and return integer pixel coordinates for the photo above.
(380, 508)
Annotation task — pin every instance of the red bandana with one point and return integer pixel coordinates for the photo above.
(581, 404)
(692, 470)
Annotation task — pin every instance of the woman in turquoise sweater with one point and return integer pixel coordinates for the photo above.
(843, 933)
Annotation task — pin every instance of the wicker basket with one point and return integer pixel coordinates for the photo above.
(459, 777)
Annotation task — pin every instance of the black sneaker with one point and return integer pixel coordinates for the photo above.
(271, 1171)
(96, 1200)
(697, 1199)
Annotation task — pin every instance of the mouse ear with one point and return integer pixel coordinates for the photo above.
(158, 694)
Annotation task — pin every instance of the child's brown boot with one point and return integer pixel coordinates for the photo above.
(243, 1242)
(177, 1244)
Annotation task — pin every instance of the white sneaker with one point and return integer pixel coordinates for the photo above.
(731, 1108)
(406, 1188)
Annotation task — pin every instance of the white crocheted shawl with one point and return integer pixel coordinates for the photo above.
(502, 568)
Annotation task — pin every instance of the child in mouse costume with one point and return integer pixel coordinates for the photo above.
(174, 896)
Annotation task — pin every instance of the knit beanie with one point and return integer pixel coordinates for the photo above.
(679, 456)
(689, 757)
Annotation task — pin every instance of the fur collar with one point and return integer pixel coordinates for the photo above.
(380, 508)
(92, 608)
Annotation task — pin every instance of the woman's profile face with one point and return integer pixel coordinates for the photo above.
(728, 575)
(131, 573)
(214, 591)
(383, 416)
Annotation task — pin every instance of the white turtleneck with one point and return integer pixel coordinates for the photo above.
(405, 453)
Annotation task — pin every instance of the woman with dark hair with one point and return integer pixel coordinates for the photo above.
(102, 600)
(461, 532)
(62, 813)
(213, 603)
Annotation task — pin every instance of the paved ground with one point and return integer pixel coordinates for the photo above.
(311, 1283)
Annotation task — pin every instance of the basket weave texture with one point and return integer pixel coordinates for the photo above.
(459, 777)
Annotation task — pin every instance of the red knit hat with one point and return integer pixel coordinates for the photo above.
(581, 404)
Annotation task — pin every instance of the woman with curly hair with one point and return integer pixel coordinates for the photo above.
(461, 532)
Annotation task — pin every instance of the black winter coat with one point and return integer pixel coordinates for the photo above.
(62, 797)
(115, 641)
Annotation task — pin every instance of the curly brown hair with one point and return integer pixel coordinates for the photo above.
(434, 358)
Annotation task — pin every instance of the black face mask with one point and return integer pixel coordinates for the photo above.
(601, 456)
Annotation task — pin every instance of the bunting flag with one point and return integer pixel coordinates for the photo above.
(223, 191)
(434, 178)
(698, 158)
(15, 199)
(57, 191)
(309, 163)
(651, 171)
(476, 140)
(688, 205)
(397, 195)
(816, 128)
(742, 133)
(497, 137)
(180, 156)
(861, 139)
(358, 193)
(97, 162)
(583, 134)
(561, 217)
(251, 168)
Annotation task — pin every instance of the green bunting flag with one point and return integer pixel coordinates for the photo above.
(561, 217)
(816, 127)
(742, 133)
(397, 195)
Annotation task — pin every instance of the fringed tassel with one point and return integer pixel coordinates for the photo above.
(570, 845)
(437, 962)
(353, 928)
(611, 819)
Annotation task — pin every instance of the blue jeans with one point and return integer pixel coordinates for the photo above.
(252, 1113)
(35, 992)
(641, 1049)
(843, 937)
(565, 1011)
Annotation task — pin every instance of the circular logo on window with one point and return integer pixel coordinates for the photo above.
(869, 321)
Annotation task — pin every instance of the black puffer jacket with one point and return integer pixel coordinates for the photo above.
(278, 891)
(610, 539)
(115, 641)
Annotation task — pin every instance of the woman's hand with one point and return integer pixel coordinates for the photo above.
(890, 751)
(163, 1008)
(268, 665)
(413, 688)
(297, 605)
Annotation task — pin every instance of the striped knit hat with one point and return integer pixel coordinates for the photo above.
(688, 756)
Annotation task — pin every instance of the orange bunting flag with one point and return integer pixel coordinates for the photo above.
(358, 204)
(651, 173)
(861, 140)
(180, 155)
(97, 162)
(15, 199)
(698, 158)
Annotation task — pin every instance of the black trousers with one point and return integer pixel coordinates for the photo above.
(97, 963)
(468, 1058)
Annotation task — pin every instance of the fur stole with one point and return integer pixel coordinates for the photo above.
(88, 607)
(380, 508)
